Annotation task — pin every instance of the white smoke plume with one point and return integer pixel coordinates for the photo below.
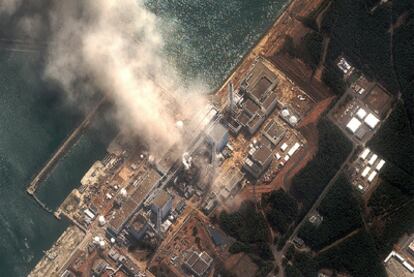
(115, 47)
(9, 6)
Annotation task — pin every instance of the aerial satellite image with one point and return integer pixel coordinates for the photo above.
(207, 138)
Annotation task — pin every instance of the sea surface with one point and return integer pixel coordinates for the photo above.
(204, 38)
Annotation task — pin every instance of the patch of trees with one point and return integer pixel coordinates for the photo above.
(246, 224)
(265, 267)
(394, 140)
(387, 197)
(393, 226)
(391, 211)
(289, 47)
(310, 21)
(333, 78)
(333, 150)
(292, 271)
(399, 178)
(309, 50)
(250, 229)
(238, 247)
(312, 49)
(341, 214)
(301, 263)
(357, 256)
(306, 264)
(281, 209)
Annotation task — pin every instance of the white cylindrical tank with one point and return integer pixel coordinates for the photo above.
(102, 244)
(179, 124)
(123, 192)
(254, 142)
(101, 220)
(151, 159)
(293, 120)
(285, 112)
(96, 239)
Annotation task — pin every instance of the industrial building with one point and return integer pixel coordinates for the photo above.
(356, 119)
(259, 99)
(398, 265)
(362, 107)
(94, 174)
(400, 262)
(258, 160)
(130, 203)
(198, 263)
(138, 227)
(274, 132)
(367, 168)
(218, 237)
(162, 204)
(218, 136)
(344, 66)
(361, 85)
(229, 182)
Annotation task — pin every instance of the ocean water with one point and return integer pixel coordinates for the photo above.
(204, 38)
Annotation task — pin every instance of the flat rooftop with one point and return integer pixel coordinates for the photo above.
(396, 269)
(131, 204)
(260, 80)
(274, 131)
(161, 198)
(262, 154)
(251, 107)
(261, 87)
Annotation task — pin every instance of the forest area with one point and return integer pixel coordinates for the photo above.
(333, 150)
(341, 214)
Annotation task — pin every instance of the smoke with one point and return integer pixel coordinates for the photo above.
(114, 49)
(9, 7)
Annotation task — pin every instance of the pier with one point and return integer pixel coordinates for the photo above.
(42, 205)
(63, 148)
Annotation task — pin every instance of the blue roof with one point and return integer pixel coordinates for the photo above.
(217, 236)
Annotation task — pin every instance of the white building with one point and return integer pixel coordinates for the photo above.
(353, 125)
(371, 120)
(361, 113)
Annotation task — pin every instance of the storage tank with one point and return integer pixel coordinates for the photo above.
(293, 120)
(101, 220)
(285, 113)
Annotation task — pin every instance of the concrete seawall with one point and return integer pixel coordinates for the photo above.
(63, 148)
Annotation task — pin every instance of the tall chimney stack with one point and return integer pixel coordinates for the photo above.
(231, 97)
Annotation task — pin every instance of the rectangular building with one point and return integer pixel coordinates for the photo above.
(258, 161)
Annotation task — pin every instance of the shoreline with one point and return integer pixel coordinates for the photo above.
(252, 48)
